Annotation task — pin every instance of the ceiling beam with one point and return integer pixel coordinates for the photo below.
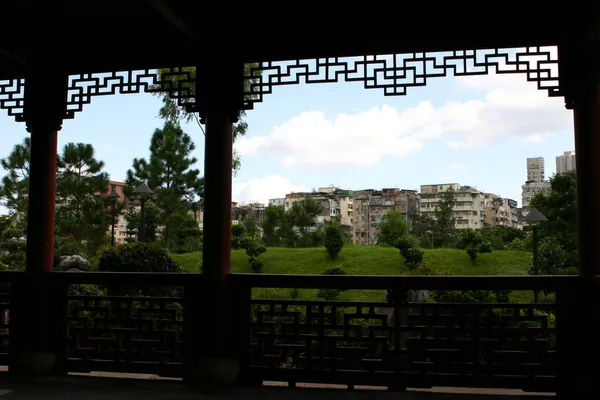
(175, 19)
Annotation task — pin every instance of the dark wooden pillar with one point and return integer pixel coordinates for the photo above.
(38, 305)
(578, 319)
(210, 325)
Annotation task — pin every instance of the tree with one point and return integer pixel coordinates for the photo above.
(445, 222)
(334, 239)
(80, 211)
(169, 172)
(15, 183)
(393, 227)
(552, 257)
(251, 226)
(151, 222)
(559, 205)
(473, 243)
(272, 225)
(184, 81)
(304, 215)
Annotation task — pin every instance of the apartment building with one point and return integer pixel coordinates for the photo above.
(370, 206)
(469, 208)
(535, 182)
(242, 212)
(499, 211)
(337, 204)
(279, 202)
(566, 162)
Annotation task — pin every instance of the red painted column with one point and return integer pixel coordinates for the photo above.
(38, 302)
(45, 93)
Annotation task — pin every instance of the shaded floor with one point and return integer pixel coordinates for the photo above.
(152, 389)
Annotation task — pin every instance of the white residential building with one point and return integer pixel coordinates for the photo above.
(566, 162)
(535, 182)
(469, 208)
(277, 202)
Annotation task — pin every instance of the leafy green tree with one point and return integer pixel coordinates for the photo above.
(251, 226)
(393, 227)
(254, 248)
(559, 205)
(188, 236)
(422, 225)
(151, 222)
(552, 257)
(272, 225)
(445, 223)
(171, 111)
(334, 239)
(80, 211)
(15, 182)
(304, 216)
(238, 233)
(473, 243)
(170, 174)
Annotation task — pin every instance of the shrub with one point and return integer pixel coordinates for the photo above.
(408, 247)
(238, 233)
(413, 258)
(334, 240)
(138, 257)
(254, 247)
(331, 294)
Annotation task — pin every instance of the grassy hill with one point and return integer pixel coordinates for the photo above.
(366, 260)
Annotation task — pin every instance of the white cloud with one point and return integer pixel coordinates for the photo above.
(262, 189)
(509, 106)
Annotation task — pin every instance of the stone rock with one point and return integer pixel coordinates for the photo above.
(69, 263)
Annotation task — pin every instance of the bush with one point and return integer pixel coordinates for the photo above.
(413, 258)
(254, 247)
(334, 240)
(238, 233)
(408, 247)
(138, 257)
(331, 294)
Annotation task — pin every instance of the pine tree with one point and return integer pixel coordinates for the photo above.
(170, 174)
(15, 183)
(80, 211)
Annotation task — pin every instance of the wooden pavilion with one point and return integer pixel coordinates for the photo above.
(56, 56)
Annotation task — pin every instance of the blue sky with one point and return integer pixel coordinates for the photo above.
(471, 130)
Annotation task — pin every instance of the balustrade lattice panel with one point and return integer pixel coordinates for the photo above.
(4, 324)
(125, 334)
(416, 345)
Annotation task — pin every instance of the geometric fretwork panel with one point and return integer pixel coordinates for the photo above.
(4, 323)
(178, 82)
(395, 73)
(12, 94)
(125, 334)
(416, 345)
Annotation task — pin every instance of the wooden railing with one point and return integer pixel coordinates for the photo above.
(353, 343)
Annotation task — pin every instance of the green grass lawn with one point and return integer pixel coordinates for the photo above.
(367, 260)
